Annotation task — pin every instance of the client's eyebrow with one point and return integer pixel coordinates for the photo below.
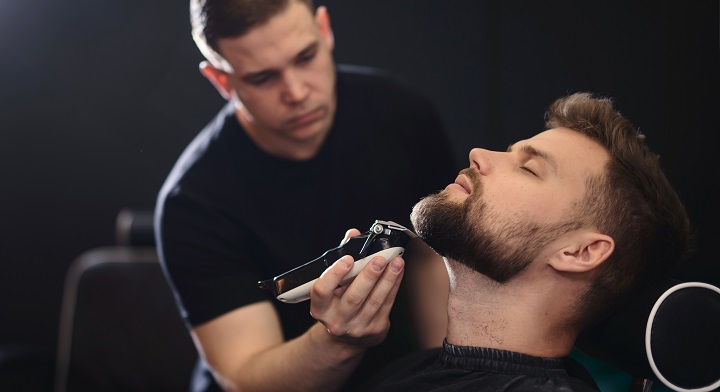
(534, 152)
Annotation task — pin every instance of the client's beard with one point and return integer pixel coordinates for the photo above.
(470, 233)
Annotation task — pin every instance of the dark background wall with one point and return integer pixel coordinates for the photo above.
(98, 97)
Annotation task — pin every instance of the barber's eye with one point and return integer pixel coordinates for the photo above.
(306, 57)
(260, 79)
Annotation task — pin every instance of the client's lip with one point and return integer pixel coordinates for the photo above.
(462, 180)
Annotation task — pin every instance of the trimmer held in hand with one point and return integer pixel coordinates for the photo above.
(385, 238)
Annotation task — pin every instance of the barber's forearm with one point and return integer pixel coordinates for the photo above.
(315, 361)
(351, 319)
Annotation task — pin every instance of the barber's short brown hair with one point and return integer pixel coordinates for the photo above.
(215, 19)
(632, 202)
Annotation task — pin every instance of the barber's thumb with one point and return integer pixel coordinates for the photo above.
(350, 233)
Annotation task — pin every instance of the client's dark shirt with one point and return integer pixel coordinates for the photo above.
(462, 368)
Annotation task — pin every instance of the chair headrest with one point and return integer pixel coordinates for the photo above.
(669, 333)
(682, 337)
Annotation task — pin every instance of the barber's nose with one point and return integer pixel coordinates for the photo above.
(482, 160)
(295, 90)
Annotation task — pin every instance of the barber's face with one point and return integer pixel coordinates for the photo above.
(283, 76)
(503, 211)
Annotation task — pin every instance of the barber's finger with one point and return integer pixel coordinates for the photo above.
(375, 313)
(321, 294)
(338, 292)
(360, 288)
(381, 298)
(350, 233)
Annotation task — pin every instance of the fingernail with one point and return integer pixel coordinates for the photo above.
(347, 261)
(396, 265)
(378, 264)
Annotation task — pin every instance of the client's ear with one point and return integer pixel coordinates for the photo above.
(586, 251)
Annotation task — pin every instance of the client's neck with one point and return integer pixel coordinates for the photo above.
(515, 316)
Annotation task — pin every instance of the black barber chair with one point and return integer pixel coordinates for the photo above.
(668, 336)
(119, 327)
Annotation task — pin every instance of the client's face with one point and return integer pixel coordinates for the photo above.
(475, 235)
(504, 209)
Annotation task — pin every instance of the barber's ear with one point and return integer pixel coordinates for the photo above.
(323, 21)
(218, 78)
(586, 251)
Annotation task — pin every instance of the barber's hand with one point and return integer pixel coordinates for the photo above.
(357, 314)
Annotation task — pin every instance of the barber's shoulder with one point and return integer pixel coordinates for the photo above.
(361, 70)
